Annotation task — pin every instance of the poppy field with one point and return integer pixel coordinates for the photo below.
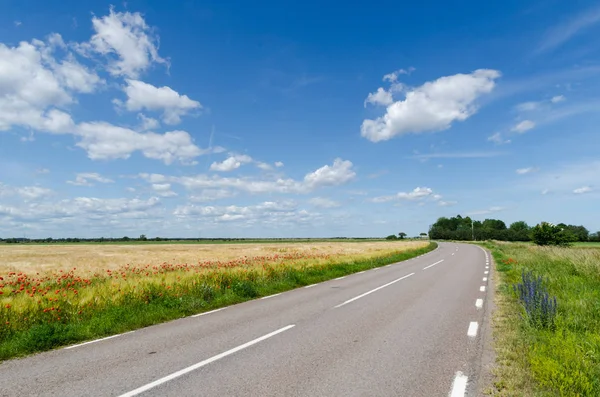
(51, 296)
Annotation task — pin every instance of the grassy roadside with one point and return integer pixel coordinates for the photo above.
(544, 362)
(42, 314)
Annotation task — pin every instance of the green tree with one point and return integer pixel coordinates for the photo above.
(143, 237)
(402, 235)
(391, 237)
(546, 233)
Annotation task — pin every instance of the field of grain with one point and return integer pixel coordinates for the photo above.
(51, 295)
(88, 258)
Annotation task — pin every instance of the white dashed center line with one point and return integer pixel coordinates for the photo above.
(472, 331)
(427, 267)
(482, 288)
(373, 290)
(459, 385)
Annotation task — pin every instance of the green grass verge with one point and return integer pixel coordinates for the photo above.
(162, 305)
(541, 362)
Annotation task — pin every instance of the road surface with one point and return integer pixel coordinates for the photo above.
(414, 328)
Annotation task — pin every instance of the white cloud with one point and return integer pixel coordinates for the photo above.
(126, 40)
(231, 163)
(337, 174)
(418, 193)
(528, 170)
(564, 31)
(263, 166)
(80, 207)
(106, 141)
(582, 190)
(42, 171)
(498, 139)
(523, 126)
(323, 202)
(147, 123)
(85, 178)
(380, 97)
(212, 195)
(447, 203)
(329, 175)
(434, 106)
(144, 96)
(393, 77)
(557, 99)
(267, 213)
(278, 164)
(487, 211)
(545, 192)
(28, 193)
(163, 189)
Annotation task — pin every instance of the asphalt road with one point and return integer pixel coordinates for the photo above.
(409, 329)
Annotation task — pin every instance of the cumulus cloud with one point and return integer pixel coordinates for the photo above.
(212, 195)
(104, 141)
(86, 178)
(528, 106)
(393, 77)
(557, 98)
(163, 189)
(267, 213)
(523, 126)
(28, 193)
(147, 123)
(582, 190)
(80, 207)
(340, 172)
(323, 202)
(380, 97)
(434, 106)
(126, 40)
(231, 163)
(144, 96)
(278, 164)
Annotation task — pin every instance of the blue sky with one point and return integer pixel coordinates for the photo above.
(295, 119)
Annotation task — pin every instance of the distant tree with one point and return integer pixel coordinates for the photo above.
(391, 237)
(423, 235)
(125, 238)
(402, 235)
(519, 231)
(143, 237)
(547, 233)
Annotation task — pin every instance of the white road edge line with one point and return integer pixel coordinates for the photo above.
(459, 385)
(485, 279)
(373, 290)
(486, 272)
(212, 311)
(97, 340)
(339, 278)
(360, 272)
(194, 367)
(482, 288)
(310, 286)
(472, 332)
(427, 267)
(479, 303)
(271, 296)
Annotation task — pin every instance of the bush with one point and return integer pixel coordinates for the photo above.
(391, 237)
(546, 233)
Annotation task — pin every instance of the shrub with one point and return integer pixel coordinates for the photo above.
(546, 233)
(539, 307)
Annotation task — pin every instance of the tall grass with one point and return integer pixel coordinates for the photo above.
(562, 359)
(41, 312)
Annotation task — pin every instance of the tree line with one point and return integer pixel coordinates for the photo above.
(465, 228)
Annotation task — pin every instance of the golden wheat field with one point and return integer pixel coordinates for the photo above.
(88, 258)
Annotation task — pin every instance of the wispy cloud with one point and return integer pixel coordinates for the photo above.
(582, 190)
(528, 170)
(564, 31)
(457, 155)
(490, 210)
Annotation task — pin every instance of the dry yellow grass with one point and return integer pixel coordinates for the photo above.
(31, 259)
